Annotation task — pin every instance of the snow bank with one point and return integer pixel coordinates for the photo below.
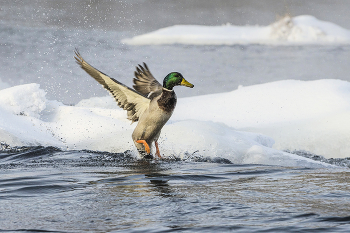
(295, 115)
(303, 29)
(20, 107)
(29, 100)
(299, 115)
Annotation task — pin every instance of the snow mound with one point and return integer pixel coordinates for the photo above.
(303, 29)
(101, 128)
(29, 100)
(299, 115)
(253, 124)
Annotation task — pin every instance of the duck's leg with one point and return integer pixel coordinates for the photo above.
(157, 149)
(145, 144)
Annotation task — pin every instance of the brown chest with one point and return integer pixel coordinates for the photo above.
(167, 101)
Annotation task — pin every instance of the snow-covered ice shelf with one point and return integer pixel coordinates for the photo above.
(303, 29)
(249, 125)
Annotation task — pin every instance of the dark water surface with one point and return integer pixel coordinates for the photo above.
(45, 189)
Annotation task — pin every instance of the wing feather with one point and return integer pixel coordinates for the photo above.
(145, 83)
(131, 101)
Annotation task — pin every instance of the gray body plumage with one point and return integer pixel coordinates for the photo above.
(151, 123)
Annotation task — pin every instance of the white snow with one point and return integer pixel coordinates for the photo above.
(304, 29)
(248, 125)
(299, 115)
(29, 100)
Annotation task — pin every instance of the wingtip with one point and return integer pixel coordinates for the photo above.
(140, 66)
(145, 65)
(79, 59)
(76, 51)
(138, 70)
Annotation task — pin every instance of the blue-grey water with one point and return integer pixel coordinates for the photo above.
(46, 189)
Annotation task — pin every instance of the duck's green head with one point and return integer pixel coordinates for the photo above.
(175, 79)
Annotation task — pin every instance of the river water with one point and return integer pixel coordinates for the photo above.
(50, 190)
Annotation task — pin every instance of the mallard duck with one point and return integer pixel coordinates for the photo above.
(150, 103)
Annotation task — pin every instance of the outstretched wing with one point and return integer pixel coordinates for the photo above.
(128, 99)
(145, 83)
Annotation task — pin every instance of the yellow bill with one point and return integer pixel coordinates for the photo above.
(186, 84)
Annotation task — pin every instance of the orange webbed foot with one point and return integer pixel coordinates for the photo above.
(148, 150)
